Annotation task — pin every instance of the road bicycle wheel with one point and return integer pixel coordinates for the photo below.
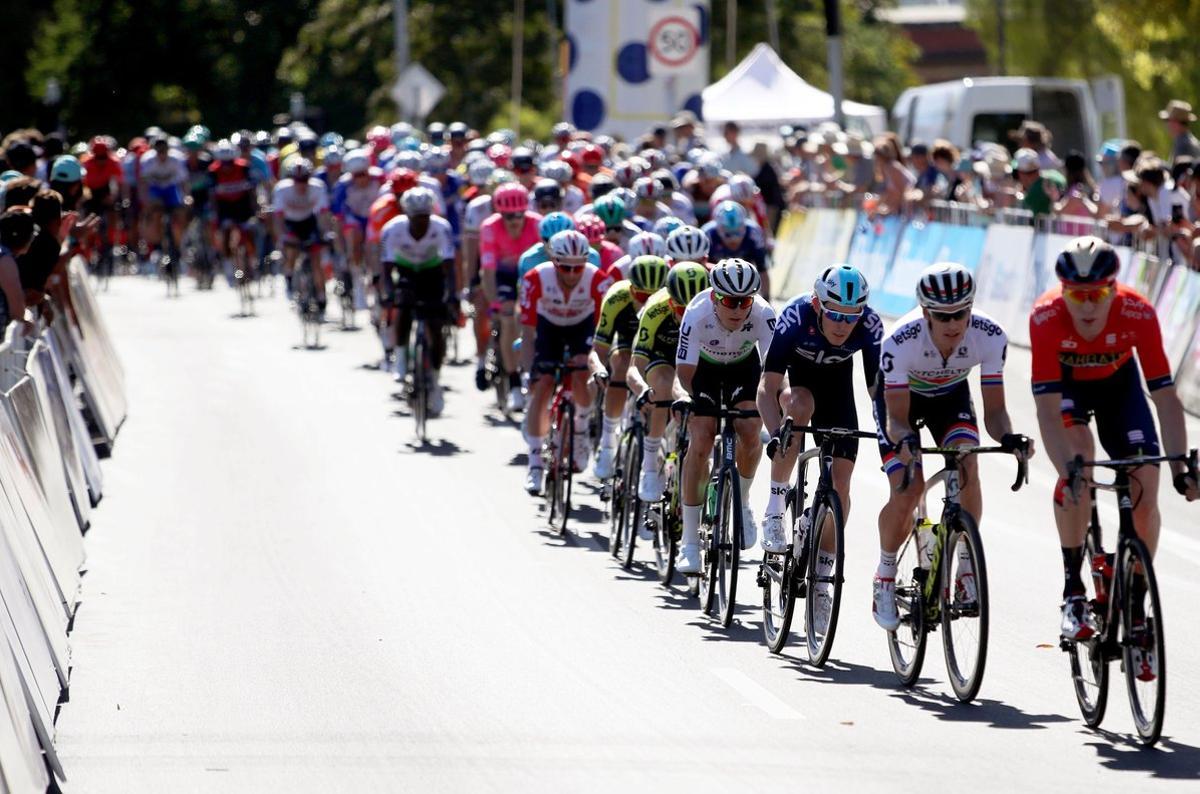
(632, 513)
(906, 645)
(964, 589)
(777, 579)
(1089, 664)
(565, 463)
(709, 546)
(617, 486)
(550, 466)
(664, 521)
(730, 541)
(420, 384)
(1143, 649)
(825, 569)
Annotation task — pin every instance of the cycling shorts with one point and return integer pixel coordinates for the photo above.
(1123, 419)
(240, 212)
(170, 197)
(352, 221)
(554, 342)
(421, 290)
(303, 233)
(831, 386)
(506, 287)
(950, 418)
(715, 385)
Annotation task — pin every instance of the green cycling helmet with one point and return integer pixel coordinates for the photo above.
(648, 273)
(193, 142)
(685, 281)
(200, 132)
(610, 209)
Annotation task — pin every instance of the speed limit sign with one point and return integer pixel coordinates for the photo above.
(674, 42)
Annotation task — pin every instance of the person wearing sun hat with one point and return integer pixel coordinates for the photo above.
(1178, 115)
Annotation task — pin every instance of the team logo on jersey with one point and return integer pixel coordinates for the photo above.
(1069, 344)
(1110, 339)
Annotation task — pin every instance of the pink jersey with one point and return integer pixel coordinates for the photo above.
(543, 296)
(609, 254)
(498, 251)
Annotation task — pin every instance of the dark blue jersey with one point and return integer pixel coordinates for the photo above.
(798, 341)
(752, 248)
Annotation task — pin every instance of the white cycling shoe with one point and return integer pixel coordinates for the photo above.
(516, 401)
(1077, 620)
(582, 452)
(823, 609)
(605, 463)
(749, 528)
(533, 480)
(774, 540)
(883, 605)
(688, 561)
(650, 485)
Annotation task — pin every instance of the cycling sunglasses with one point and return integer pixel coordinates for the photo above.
(1089, 294)
(512, 216)
(949, 317)
(570, 268)
(733, 301)
(842, 317)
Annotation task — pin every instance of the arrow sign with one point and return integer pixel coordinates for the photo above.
(416, 91)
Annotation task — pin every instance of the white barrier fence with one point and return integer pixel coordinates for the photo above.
(1012, 259)
(62, 402)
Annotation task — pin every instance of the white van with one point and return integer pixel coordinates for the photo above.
(986, 108)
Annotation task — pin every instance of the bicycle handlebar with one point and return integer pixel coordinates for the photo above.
(958, 453)
(723, 413)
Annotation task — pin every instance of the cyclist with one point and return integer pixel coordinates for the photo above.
(161, 180)
(384, 208)
(611, 210)
(538, 253)
(560, 171)
(560, 303)
(642, 244)
(199, 167)
(732, 233)
(649, 208)
(724, 333)
(612, 346)
(653, 361)
(925, 362)
(356, 190)
(679, 202)
(418, 248)
(503, 237)
(547, 196)
(103, 177)
(742, 189)
(688, 244)
(593, 229)
(1083, 332)
(236, 203)
(478, 209)
(301, 221)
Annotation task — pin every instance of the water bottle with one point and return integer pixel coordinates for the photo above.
(1101, 573)
(925, 543)
(710, 501)
(802, 527)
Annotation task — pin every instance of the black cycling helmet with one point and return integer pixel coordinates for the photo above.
(602, 184)
(547, 190)
(1087, 260)
(522, 159)
(436, 132)
(457, 131)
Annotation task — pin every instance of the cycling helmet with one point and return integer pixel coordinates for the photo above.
(627, 173)
(647, 244)
(307, 143)
(546, 190)
(299, 168)
(842, 284)
(66, 169)
(730, 217)
(687, 243)
(602, 185)
(945, 286)
(666, 180)
(664, 226)
(648, 273)
(646, 189)
(436, 132)
(457, 131)
(629, 198)
(562, 129)
(334, 155)
(554, 223)
(436, 161)
(332, 139)
(357, 161)
(192, 143)
(591, 155)
(501, 176)
(709, 168)
(569, 245)
(401, 180)
(401, 130)
(501, 155)
(510, 198)
(591, 227)
(418, 201)
(654, 158)
(480, 171)
(741, 188)
(522, 159)
(99, 146)
(685, 281)
(610, 209)
(735, 277)
(558, 170)
(224, 151)
(1087, 260)
(505, 136)
(200, 132)
(407, 159)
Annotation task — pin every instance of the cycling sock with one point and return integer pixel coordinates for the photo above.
(775, 503)
(535, 448)
(608, 432)
(582, 417)
(824, 563)
(1137, 591)
(650, 448)
(887, 565)
(745, 483)
(1072, 562)
(691, 524)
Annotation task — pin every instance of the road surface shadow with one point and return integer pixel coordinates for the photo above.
(992, 713)
(437, 447)
(740, 630)
(495, 419)
(836, 671)
(676, 598)
(637, 572)
(519, 459)
(1168, 759)
(310, 348)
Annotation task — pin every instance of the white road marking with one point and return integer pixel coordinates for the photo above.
(756, 694)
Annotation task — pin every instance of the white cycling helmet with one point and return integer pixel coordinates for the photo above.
(741, 188)
(224, 151)
(408, 159)
(735, 277)
(946, 287)
(558, 170)
(418, 201)
(569, 245)
(480, 171)
(647, 243)
(843, 285)
(687, 244)
(357, 161)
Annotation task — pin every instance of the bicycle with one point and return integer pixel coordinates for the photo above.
(199, 255)
(721, 519)
(494, 367)
(627, 507)
(169, 260)
(666, 515)
(941, 580)
(343, 288)
(797, 572)
(558, 453)
(309, 308)
(1127, 629)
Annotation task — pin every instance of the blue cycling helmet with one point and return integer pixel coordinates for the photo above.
(730, 217)
(664, 226)
(843, 285)
(554, 223)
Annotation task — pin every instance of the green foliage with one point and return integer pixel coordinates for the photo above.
(534, 124)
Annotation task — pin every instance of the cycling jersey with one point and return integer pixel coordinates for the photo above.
(573, 199)
(752, 247)
(498, 250)
(434, 247)
(199, 178)
(610, 254)
(101, 172)
(618, 322)
(798, 338)
(537, 254)
(702, 337)
(296, 206)
(233, 188)
(909, 359)
(383, 210)
(448, 188)
(543, 297)
(658, 331)
(758, 205)
(162, 172)
(352, 201)
(1061, 354)
(479, 209)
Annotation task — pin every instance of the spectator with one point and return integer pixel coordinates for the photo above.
(892, 179)
(1178, 116)
(944, 156)
(926, 175)
(21, 156)
(1112, 184)
(736, 160)
(683, 126)
(16, 233)
(45, 250)
(1034, 135)
(995, 175)
(19, 192)
(1038, 192)
(767, 180)
(859, 171)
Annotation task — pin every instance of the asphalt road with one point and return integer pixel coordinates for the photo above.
(284, 594)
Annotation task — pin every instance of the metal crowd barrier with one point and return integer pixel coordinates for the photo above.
(61, 399)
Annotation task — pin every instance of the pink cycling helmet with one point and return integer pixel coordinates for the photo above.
(509, 198)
